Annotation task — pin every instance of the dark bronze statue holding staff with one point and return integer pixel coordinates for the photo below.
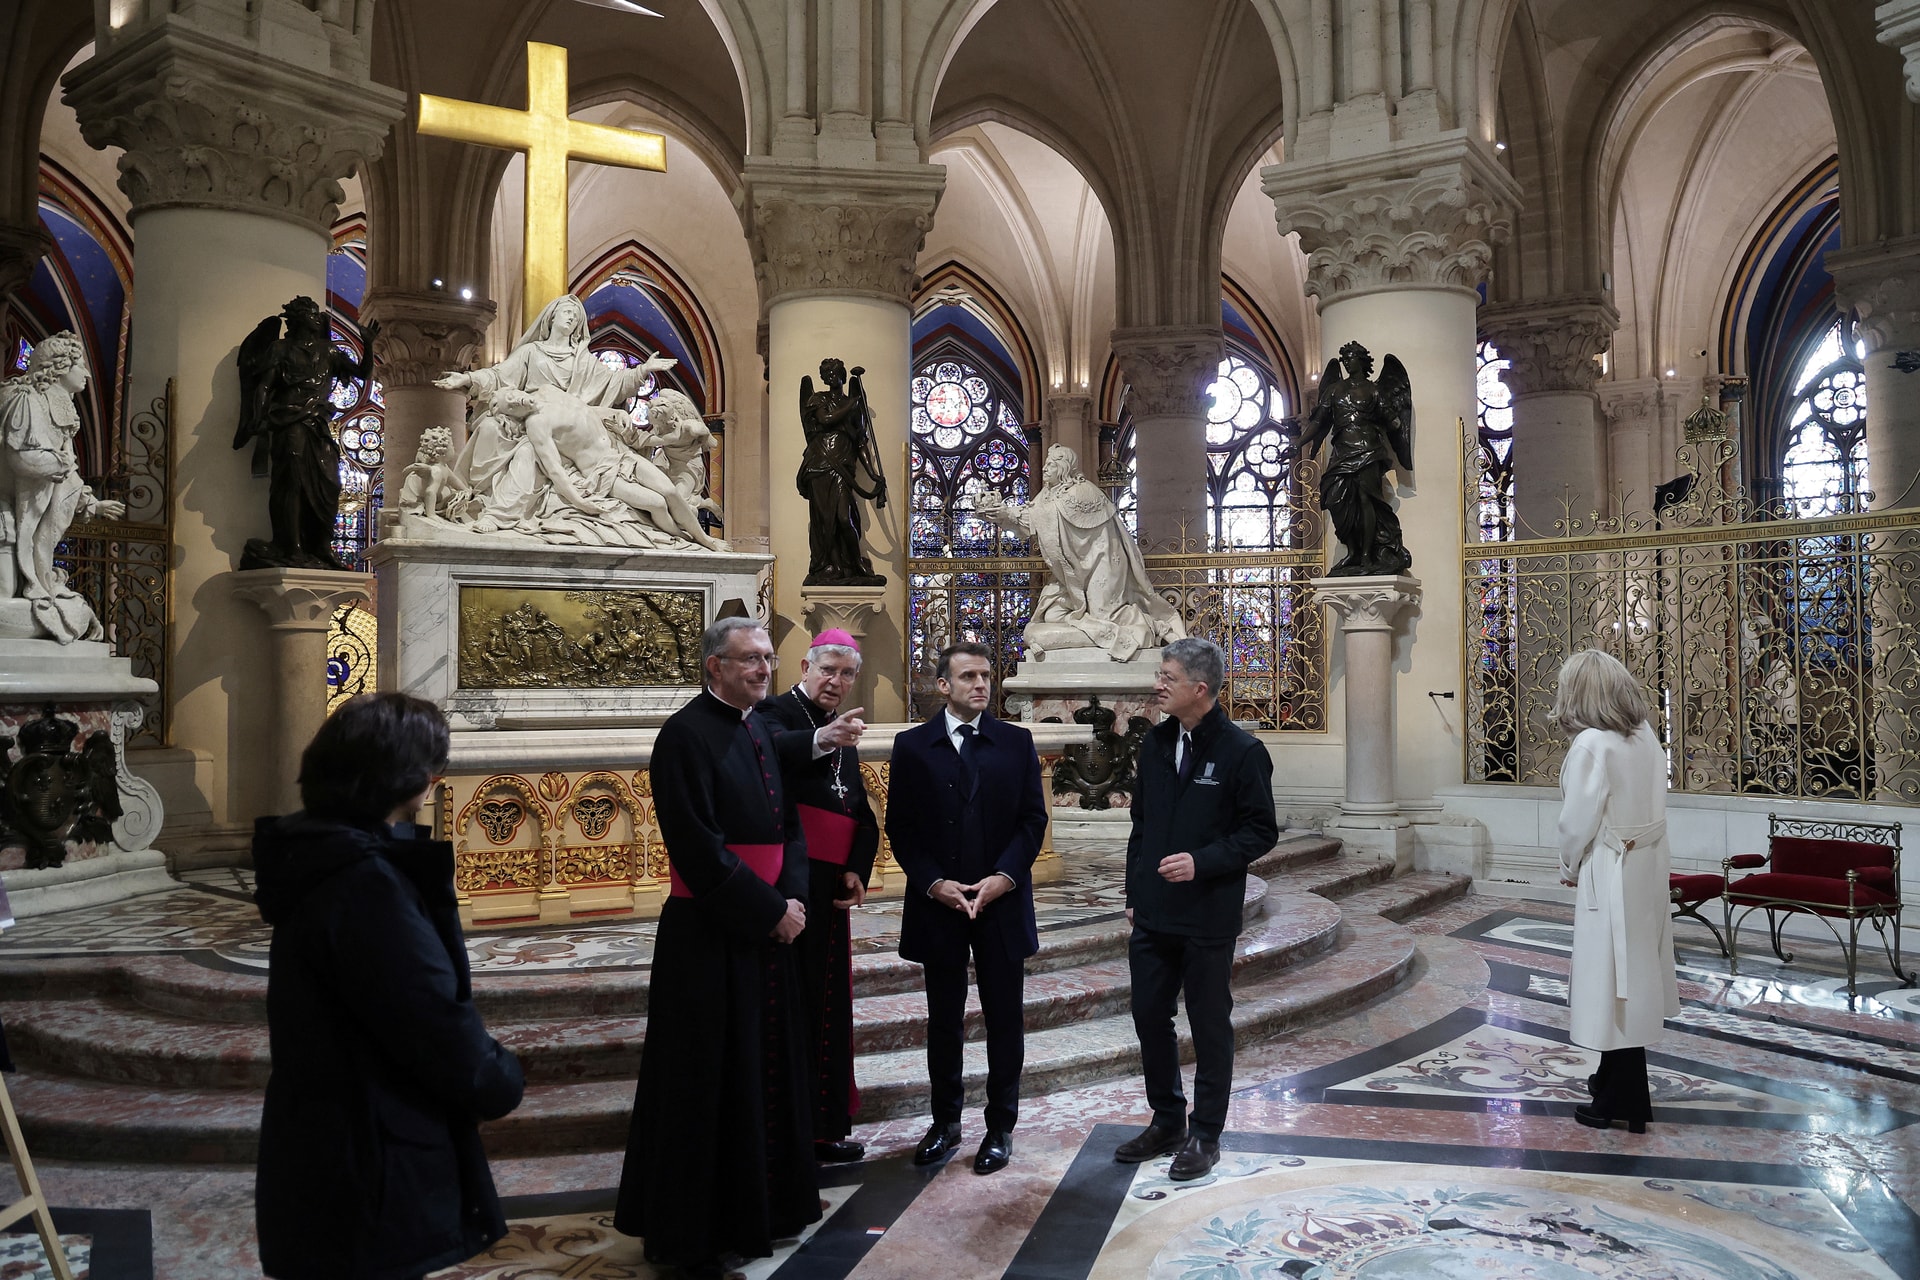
(840, 445)
(285, 385)
(1372, 428)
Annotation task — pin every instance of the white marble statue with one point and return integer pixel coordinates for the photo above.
(432, 486)
(1097, 595)
(41, 495)
(554, 456)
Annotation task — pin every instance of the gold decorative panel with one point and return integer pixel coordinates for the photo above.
(559, 638)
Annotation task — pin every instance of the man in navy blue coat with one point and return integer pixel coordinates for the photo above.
(965, 816)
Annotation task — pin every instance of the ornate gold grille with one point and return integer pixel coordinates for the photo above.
(121, 567)
(1779, 652)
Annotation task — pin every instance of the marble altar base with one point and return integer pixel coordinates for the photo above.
(1056, 685)
(86, 683)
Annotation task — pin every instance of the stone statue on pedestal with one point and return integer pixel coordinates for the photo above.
(41, 495)
(286, 385)
(840, 445)
(1097, 595)
(1371, 424)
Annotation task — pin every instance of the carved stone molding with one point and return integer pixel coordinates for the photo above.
(1881, 286)
(1551, 346)
(1416, 217)
(1630, 405)
(1367, 604)
(1168, 368)
(301, 599)
(1899, 23)
(423, 335)
(213, 122)
(819, 232)
(21, 249)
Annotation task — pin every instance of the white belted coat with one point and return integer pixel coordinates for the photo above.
(1613, 841)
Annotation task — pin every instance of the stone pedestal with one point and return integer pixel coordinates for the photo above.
(298, 603)
(1370, 820)
(1053, 687)
(852, 610)
(84, 683)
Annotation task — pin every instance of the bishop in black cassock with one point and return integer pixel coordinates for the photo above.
(719, 1153)
(842, 838)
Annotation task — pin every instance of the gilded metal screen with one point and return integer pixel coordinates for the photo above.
(1779, 652)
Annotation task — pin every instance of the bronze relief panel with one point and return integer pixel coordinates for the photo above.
(560, 638)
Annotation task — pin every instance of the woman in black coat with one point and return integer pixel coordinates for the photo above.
(370, 1160)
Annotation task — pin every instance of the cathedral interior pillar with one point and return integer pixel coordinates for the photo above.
(21, 248)
(234, 154)
(422, 336)
(1169, 369)
(824, 301)
(1881, 286)
(1559, 442)
(1395, 253)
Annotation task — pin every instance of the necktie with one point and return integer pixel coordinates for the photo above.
(1186, 755)
(969, 769)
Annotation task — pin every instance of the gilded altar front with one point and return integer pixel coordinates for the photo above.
(579, 638)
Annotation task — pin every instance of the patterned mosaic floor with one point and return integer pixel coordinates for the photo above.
(1425, 1133)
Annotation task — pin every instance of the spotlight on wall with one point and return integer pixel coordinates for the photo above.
(1499, 146)
(466, 295)
(1670, 373)
(438, 283)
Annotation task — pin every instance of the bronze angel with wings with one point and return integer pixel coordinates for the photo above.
(839, 429)
(1371, 425)
(286, 384)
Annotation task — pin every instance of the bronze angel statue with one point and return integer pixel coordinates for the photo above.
(285, 389)
(840, 445)
(1371, 423)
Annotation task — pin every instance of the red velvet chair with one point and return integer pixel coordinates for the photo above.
(1834, 871)
(1691, 892)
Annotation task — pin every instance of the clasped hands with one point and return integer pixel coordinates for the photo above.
(972, 898)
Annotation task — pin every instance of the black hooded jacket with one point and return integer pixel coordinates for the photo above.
(370, 1160)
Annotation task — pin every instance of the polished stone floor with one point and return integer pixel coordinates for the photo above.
(1424, 1132)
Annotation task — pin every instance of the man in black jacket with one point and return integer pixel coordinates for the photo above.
(1202, 812)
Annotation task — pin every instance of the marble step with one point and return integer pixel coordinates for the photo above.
(1334, 878)
(1407, 896)
(72, 1118)
(106, 1039)
(1295, 850)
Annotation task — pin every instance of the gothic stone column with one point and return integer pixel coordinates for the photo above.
(1397, 245)
(1881, 286)
(1070, 421)
(1169, 369)
(422, 336)
(1368, 610)
(835, 251)
(21, 248)
(1559, 446)
(238, 122)
(1899, 23)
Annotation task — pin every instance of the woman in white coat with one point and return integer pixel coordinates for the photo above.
(1613, 847)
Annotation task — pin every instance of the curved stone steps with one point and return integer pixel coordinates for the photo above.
(108, 1040)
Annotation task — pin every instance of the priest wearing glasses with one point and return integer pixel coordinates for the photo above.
(818, 738)
(720, 1151)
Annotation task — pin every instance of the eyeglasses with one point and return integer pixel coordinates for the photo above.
(768, 660)
(838, 673)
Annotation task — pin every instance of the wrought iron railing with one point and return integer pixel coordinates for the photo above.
(1258, 606)
(122, 567)
(1781, 653)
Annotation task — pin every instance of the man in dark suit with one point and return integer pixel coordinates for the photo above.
(1202, 812)
(965, 816)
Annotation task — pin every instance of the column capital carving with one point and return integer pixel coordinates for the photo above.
(222, 119)
(301, 599)
(1168, 367)
(1880, 284)
(1630, 404)
(1424, 216)
(424, 334)
(21, 249)
(1551, 346)
(826, 232)
(1367, 604)
(1899, 23)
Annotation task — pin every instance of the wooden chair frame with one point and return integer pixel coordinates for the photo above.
(33, 1201)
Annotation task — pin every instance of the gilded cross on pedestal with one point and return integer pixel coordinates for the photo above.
(549, 139)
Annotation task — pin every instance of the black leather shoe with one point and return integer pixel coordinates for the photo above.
(941, 1141)
(1156, 1141)
(1594, 1120)
(1195, 1160)
(844, 1151)
(1593, 1085)
(995, 1150)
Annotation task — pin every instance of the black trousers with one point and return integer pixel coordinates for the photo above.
(1001, 980)
(1620, 1085)
(1164, 965)
(823, 950)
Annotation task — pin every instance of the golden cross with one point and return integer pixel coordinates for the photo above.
(548, 138)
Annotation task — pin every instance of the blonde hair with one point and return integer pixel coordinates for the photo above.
(1597, 692)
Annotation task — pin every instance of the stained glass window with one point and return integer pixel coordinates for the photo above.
(621, 357)
(1249, 459)
(1824, 470)
(1126, 460)
(967, 442)
(359, 424)
(1496, 447)
(21, 355)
